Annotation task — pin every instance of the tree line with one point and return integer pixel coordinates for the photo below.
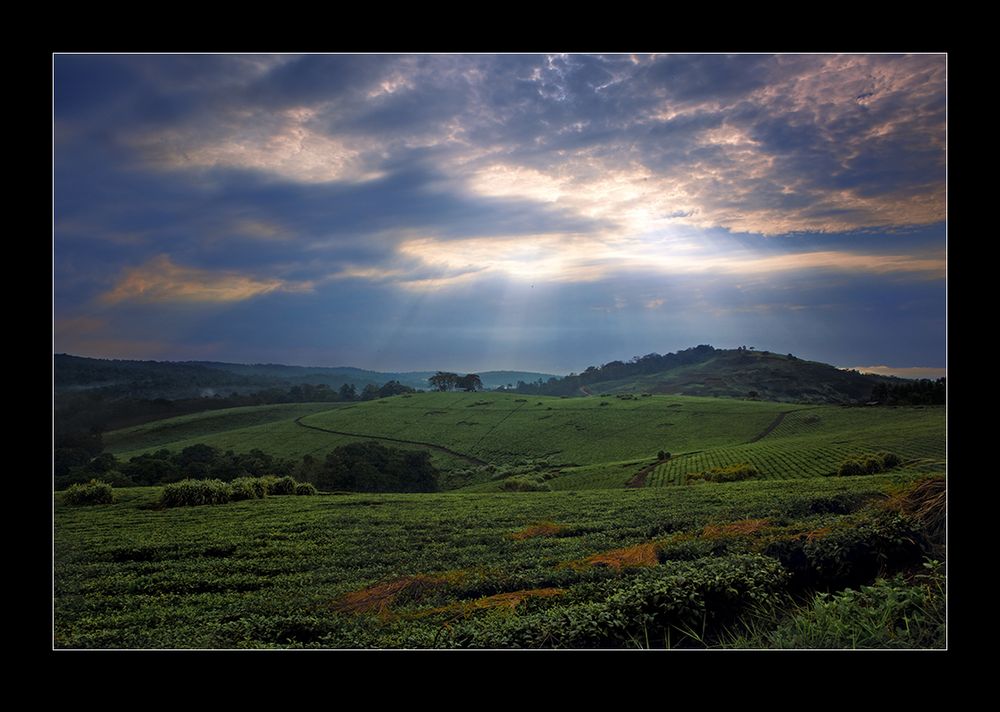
(922, 391)
(355, 467)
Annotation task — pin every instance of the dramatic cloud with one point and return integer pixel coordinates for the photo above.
(602, 194)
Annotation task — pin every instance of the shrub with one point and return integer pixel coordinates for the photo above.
(189, 493)
(873, 465)
(281, 485)
(304, 488)
(850, 468)
(870, 465)
(93, 492)
(248, 488)
(890, 460)
(730, 473)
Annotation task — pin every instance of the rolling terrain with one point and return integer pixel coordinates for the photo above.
(579, 443)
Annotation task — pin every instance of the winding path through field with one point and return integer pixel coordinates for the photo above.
(432, 446)
(775, 423)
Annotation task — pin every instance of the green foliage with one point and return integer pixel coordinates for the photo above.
(93, 492)
(680, 602)
(870, 465)
(520, 483)
(873, 542)
(372, 467)
(890, 460)
(304, 488)
(851, 468)
(280, 485)
(248, 488)
(890, 613)
(729, 473)
(189, 493)
(214, 577)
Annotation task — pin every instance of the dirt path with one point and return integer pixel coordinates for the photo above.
(775, 423)
(585, 391)
(639, 479)
(767, 431)
(432, 446)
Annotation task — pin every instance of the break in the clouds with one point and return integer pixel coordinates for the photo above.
(499, 211)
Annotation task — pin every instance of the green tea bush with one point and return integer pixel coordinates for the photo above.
(870, 465)
(248, 488)
(689, 601)
(304, 488)
(890, 460)
(730, 473)
(850, 468)
(189, 493)
(93, 492)
(873, 465)
(852, 555)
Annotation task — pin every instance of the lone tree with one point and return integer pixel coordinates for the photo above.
(753, 395)
(470, 382)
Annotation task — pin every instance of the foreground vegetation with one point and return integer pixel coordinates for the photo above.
(708, 565)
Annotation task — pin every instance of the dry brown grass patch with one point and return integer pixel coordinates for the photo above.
(540, 529)
(924, 500)
(743, 527)
(509, 601)
(631, 556)
(379, 598)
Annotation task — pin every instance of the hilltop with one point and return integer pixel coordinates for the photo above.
(726, 373)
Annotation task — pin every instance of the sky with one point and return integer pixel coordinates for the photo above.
(516, 211)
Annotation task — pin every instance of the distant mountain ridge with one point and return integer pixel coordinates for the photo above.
(187, 379)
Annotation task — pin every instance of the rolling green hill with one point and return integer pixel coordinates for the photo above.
(572, 443)
(735, 373)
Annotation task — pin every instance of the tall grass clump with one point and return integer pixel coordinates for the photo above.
(279, 485)
(189, 493)
(248, 488)
(890, 613)
(870, 465)
(525, 484)
(93, 492)
(304, 488)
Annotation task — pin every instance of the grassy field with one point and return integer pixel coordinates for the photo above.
(444, 570)
(575, 443)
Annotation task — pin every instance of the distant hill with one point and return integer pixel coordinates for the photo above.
(733, 373)
(192, 379)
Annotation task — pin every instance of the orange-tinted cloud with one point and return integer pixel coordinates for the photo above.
(161, 280)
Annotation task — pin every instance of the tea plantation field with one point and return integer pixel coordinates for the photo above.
(577, 443)
(631, 568)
